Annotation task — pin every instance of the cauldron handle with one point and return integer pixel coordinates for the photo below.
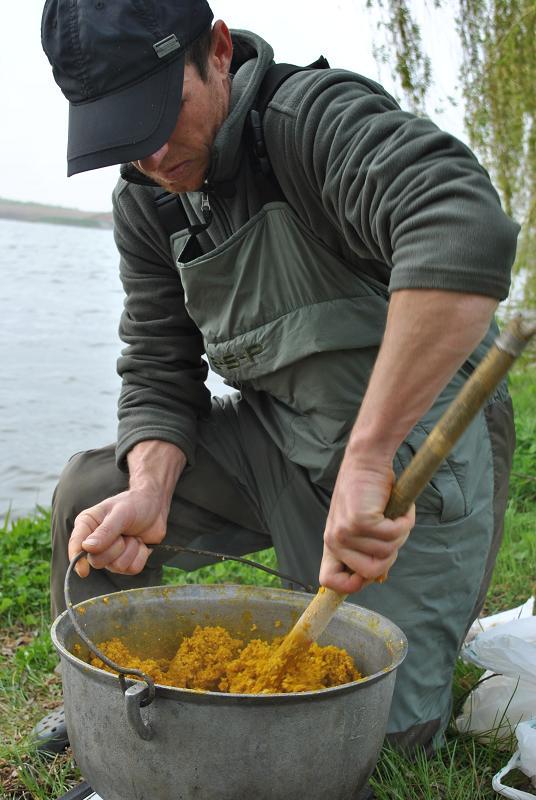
(136, 695)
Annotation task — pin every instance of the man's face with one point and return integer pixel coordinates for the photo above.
(181, 164)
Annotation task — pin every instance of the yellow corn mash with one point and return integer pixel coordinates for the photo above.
(211, 659)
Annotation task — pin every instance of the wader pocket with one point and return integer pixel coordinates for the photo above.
(179, 241)
(443, 497)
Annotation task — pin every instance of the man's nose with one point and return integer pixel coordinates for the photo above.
(152, 162)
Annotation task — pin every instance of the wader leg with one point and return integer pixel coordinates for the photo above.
(434, 590)
(438, 586)
(430, 594)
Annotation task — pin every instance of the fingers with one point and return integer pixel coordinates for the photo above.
(127, 555)
(98, 560)
(378, 539)
(335, 575)
(114, 522)
(98, 530)
(353, 571)
(84, 525)
(360, 550)
(133, 558)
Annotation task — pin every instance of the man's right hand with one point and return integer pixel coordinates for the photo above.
(115, 532)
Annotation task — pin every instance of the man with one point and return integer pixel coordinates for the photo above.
(372, 228)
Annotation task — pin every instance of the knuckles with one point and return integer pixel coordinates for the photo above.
(336, 537)
(368, 570)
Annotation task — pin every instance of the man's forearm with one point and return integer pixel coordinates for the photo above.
(156, 466)
(428, 336)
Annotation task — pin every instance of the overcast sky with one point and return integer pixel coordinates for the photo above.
(33, 127)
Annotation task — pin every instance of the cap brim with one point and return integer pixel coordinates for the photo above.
(126, 125)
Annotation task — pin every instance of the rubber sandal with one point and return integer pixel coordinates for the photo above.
(50, 734)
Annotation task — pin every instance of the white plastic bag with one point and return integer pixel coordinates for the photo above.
(501, 702)
(524, 759)
(511, 614)
(509, 649)
(495, 707)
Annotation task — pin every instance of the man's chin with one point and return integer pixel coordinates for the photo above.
(189, 178)
(180, 187)
(188, 183)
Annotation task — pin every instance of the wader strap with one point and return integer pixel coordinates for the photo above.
(173, 218)
(275, 76)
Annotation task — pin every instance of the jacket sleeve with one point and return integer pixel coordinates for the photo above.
(398, 189)
(163, 391)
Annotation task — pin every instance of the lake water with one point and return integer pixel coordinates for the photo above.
(60, 301)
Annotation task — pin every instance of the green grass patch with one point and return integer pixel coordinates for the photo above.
(514, 576)
(462, 770)
(24, 568)
(523, 480)
(229, 572)
(29, 687)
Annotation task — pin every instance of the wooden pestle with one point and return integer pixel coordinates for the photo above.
(484, 380)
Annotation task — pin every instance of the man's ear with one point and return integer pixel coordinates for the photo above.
(221, 48)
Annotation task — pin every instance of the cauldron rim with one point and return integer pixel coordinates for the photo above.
(398, 642)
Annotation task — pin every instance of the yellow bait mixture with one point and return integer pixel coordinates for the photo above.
(211, 659)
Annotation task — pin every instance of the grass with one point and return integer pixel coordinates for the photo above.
(228, 572)
(523, 484)
(29, 687)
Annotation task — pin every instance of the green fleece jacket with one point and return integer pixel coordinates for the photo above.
(395, 197)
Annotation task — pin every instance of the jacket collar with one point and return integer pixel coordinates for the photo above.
(132, 175)
(253, 57)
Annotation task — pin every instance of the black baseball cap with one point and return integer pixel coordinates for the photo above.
(120, 64)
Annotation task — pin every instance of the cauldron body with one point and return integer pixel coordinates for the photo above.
(213, 746)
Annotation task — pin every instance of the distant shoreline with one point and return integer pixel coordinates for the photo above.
(53, 215)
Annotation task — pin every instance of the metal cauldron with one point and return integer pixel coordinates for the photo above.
(212, 746)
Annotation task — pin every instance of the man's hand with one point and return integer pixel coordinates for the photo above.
(360, 544)
(116, 531)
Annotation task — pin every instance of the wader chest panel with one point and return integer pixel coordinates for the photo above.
(292, 326)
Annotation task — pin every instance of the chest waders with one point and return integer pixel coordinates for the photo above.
(292, 327)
